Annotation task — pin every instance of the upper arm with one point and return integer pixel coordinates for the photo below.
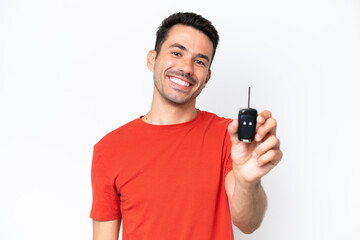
(230, 184)
(108, 230)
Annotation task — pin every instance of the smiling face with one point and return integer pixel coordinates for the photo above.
(181, 68)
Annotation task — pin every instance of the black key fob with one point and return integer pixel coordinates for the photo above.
(247, 123)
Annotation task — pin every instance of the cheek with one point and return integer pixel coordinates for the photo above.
(202, 76)
(157, 68)
(169, 63)
(163, 65)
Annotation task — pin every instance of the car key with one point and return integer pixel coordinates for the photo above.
(247, 123)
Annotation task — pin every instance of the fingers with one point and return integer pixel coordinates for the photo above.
(263, 116)
(271, 158)
(268, 161)
(268, 152)
(269, 126)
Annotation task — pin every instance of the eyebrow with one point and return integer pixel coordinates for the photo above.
(181, 47)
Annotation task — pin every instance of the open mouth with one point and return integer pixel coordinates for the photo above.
(180, 82)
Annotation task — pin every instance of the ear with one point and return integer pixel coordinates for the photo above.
(208, 77)
(150, 60)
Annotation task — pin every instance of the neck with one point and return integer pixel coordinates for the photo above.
(164, 112)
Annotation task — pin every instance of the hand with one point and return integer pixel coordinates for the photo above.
(251, 161)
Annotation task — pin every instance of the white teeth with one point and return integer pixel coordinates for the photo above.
(180, 82)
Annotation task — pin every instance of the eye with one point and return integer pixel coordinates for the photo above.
(200, 62)
(176, 54)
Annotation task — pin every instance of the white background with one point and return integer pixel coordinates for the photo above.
(71, 71)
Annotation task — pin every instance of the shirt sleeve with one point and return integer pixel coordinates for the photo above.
(227, 154)
(106, 200)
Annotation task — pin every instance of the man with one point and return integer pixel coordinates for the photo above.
(172, 173)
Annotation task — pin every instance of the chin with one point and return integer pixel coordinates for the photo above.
(179, 101)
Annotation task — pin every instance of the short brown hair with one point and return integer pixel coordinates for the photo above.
(188, 19)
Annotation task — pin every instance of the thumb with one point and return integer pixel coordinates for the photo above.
(233, 131)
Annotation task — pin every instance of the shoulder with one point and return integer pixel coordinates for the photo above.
(213, 125)
(118, 135)
(215, 120)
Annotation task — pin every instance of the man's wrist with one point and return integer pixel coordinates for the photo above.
(246, 184)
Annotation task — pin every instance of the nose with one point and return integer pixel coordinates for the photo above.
(187, 66)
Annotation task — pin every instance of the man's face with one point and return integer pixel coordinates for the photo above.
(181, 69)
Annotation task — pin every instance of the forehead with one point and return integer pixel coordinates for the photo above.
(191, 38)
